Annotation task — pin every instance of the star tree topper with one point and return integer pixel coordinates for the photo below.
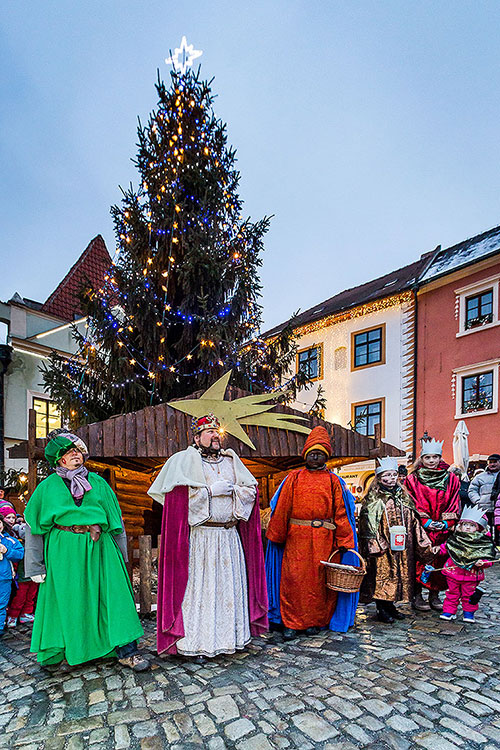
(183, 56)
(247, 410)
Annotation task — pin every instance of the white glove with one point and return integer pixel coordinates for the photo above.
(39, 579)
(221, 487)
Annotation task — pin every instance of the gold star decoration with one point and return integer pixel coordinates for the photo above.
(249, 410)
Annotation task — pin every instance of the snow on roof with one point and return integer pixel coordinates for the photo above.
(390, 284)
(463, 254)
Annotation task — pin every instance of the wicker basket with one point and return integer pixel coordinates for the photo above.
(341, 577)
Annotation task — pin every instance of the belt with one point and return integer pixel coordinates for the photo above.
(222, 525)
(94, 530)
(316, 523)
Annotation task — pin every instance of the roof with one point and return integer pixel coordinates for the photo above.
(385, 286)
(89, 269)
(144, 439)
(149, 436)
(464, 254)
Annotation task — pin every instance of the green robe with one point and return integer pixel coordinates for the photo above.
(85, 608)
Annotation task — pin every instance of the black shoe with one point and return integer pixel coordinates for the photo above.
(383, 614)
(289, 634)
(275, 627)
(200, 659)
(391, 609)
(312, 631)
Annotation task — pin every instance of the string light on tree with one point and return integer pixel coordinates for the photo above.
(180, 304)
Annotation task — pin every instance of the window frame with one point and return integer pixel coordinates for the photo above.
(319, 347)
(382, 361)
(477, 296)
(460, 373)
(381, 400)
(41, 397)
(475, 290)
(476, 377)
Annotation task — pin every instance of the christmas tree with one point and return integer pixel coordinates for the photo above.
(180, 306)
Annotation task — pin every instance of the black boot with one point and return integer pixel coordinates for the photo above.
(383, 614)
(391, 608)
(289, 634)
(312, 631)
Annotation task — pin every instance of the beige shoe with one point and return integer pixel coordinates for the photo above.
(420, 604)
(435, 602)
(136, 661)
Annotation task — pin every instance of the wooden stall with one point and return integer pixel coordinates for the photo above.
(129, 449)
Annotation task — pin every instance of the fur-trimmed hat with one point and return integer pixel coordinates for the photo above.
(208, 422)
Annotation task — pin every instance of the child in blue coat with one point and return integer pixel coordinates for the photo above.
(11, 550)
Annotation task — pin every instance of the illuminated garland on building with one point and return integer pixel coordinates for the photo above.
(355, 312)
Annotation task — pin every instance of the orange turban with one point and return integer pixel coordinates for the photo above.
(318, 440)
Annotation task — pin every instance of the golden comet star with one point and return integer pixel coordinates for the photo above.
(249, 410)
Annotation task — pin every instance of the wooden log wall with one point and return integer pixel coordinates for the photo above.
(131, 489)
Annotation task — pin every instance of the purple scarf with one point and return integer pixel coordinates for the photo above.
(77, 478)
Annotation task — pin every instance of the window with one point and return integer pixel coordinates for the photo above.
(310, 362)
(479, 309)
(475, 389)
(368, 347)
(477, 392)
(477, 306)
(48, 416)
(364, 417)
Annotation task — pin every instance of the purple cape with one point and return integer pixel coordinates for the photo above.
(173, 570)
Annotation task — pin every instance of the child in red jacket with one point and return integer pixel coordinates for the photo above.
(470, 549)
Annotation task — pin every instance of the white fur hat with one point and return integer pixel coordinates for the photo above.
(386, 464)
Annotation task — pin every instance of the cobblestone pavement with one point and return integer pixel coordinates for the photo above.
(420, 683)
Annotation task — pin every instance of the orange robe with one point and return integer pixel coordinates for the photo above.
(304, 598)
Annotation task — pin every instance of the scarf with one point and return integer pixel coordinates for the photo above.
(436, 479)
(465, 548)
(77, 478)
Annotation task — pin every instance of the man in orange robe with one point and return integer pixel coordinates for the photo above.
(310, 519)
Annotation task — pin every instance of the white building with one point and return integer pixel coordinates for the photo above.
(359, 346)
(34, 330)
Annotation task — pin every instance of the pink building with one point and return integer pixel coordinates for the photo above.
(458, 344)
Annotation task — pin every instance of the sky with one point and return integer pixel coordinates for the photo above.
(369, 130)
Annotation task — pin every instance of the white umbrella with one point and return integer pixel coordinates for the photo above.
(461, 447)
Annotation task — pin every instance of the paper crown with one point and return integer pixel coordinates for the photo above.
(207, 422)
(474, 514)
(432, 447)
(386, 464)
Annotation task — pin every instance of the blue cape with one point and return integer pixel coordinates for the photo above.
(345, 611)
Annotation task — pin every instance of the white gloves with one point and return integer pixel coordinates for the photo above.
(39, 579)
(221, 487)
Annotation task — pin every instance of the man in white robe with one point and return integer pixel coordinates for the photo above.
(211, 587)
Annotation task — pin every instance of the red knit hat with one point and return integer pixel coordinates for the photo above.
(318, 440)
(6, 511)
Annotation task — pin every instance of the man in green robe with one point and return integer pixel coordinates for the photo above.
(74, 539)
